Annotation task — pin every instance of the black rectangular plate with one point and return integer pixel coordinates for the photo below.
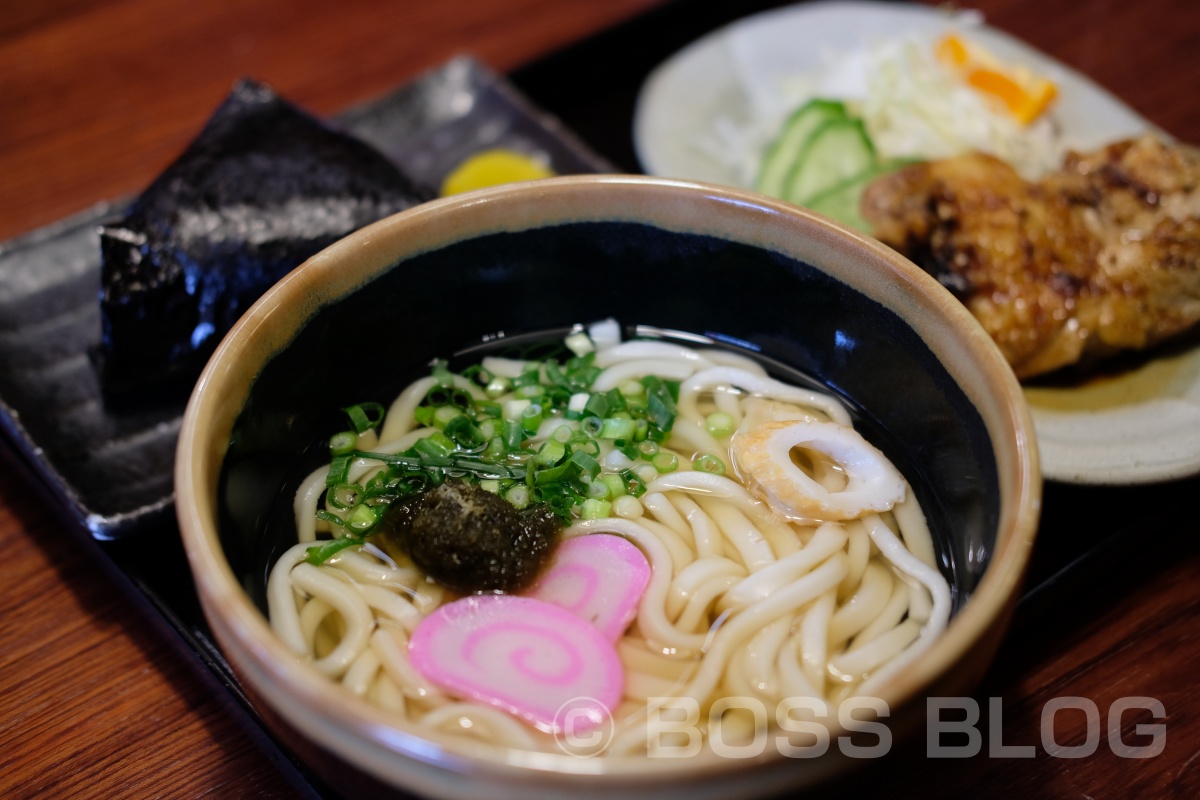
(111, 466)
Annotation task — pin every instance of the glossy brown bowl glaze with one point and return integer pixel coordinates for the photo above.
(790, 288)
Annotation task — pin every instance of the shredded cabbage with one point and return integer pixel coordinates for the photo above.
(915, 107)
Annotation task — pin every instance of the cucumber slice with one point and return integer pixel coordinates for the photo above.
(837, 151)
(843, 201)
(784, 152)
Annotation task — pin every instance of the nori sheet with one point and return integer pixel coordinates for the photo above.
(263, 187)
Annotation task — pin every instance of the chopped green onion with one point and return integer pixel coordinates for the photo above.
(577, 404)
(518, 495)
(344, 495)
(495, 449)
(364, 416)
(551, 452)
(529, 377)
(477, 373)
(497, 387)
(616, 486)
(440, 370)
(485, 438)
(421, 461)
(339, 468)
(531, 418)
(465, 433)
(332, 519)
(627, 448)
(363, 518)
(319, 554)
(435, 445)
(483, 468)
(555, 475)
(553, 375)
(342, 443)
(596, 406)
(596, 509)
(485, 409)
(585, 444)
(581, 374)
(709, 463)
(437, 396)
(557, 398)
(579, 465)
(614, 428)
(634, 485)
(660, 405)
(580, 343)
(513, 434)
(514, 409)
(443, 414)
(631, 388)
(720, 424)
(665, 462)
(588, 465)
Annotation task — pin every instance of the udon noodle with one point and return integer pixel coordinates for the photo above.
(804, 569)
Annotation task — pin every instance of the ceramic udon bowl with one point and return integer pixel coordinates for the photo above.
(371, 312)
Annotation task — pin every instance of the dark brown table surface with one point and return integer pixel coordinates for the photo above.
(98, 699)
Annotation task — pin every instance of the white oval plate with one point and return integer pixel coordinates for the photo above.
(1140, 427)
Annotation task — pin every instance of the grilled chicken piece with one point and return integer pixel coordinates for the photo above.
(1098, 257)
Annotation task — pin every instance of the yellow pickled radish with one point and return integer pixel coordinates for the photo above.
(492, 168)
(1016, 89)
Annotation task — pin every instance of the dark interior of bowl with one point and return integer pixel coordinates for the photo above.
(514, 287)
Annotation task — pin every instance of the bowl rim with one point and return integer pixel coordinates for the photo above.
(668, 203)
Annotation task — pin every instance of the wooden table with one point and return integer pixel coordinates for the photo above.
(97, 698)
